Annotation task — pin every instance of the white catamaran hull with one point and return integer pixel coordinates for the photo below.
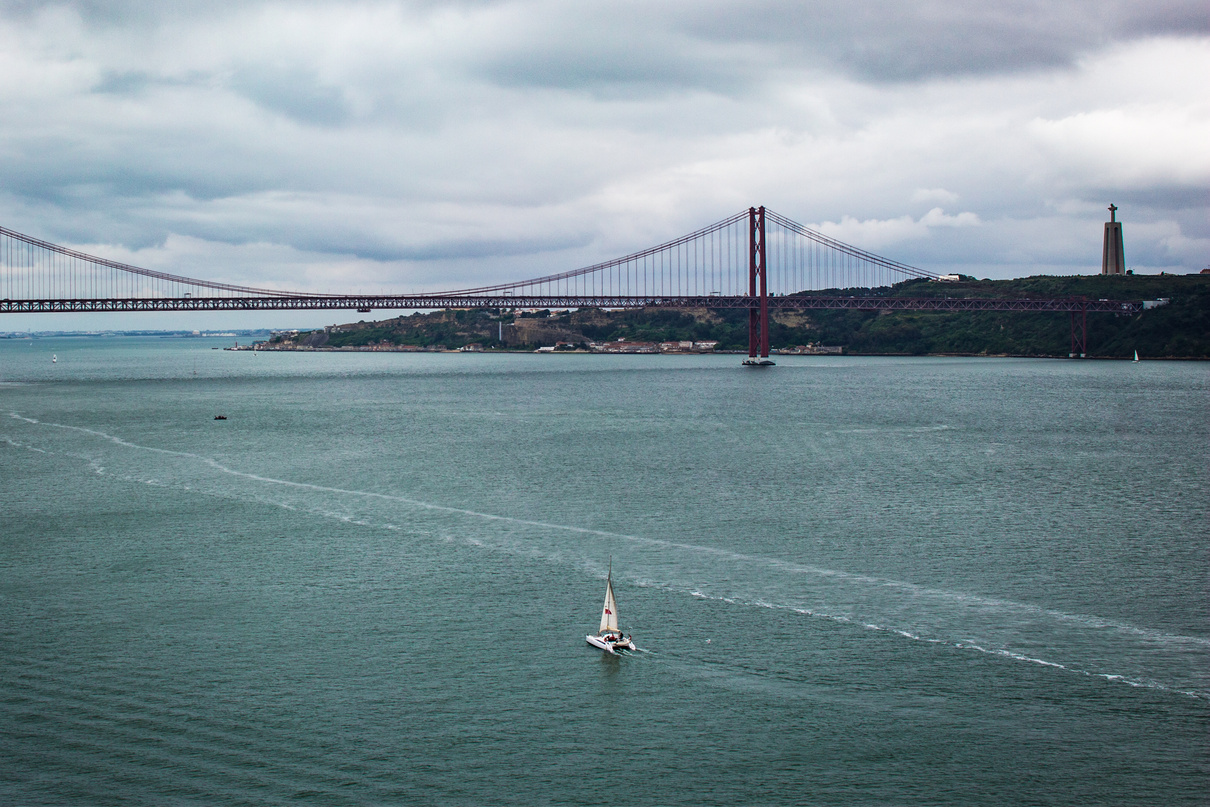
(626, 643)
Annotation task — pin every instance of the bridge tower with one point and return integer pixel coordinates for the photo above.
(758, 290)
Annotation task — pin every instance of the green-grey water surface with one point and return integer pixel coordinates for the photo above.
(853, 581)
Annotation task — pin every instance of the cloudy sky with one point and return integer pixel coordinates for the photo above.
(403, 146)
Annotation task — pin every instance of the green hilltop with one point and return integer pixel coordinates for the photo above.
(1178, 329)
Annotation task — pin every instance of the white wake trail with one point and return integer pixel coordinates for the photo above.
(858, 586)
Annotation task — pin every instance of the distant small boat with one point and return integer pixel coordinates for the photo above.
(220, 417)
(54, 358)
(610, 638)
(1136, 355)
(758, 363)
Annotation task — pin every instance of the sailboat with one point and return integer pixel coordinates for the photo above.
(610, 637)
(54, 358)
(1136, 355)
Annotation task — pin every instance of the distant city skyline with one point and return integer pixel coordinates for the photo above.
(419, 146)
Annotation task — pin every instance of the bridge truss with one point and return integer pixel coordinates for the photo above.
(756, 260)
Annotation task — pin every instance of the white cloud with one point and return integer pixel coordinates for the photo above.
(1129, 147)
(935, 195)
(874, 234)
(420, 144)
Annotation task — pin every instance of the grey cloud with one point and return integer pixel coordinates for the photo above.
(125, 83)
(533, 136)
(895, 41)
(637, 47)
(1186, 207)
(295, 92)
(454, 249)
(607, 71)
(345, 238)
(1166, 198)
(115, 174)
(126, 13)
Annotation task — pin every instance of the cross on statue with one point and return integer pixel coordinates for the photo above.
(1113, 212)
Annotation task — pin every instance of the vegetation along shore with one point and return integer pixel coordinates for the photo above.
(1178, 326)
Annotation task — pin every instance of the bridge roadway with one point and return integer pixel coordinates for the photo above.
(367, 303)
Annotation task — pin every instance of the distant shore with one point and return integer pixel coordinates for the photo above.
(1175, 323)
(772, 353)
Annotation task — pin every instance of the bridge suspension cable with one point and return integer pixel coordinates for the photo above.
(714, 261)
(802, 259)
(680, 267)
(710, 262)
(37, 269)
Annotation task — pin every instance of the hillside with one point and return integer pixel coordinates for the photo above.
(1180, 329)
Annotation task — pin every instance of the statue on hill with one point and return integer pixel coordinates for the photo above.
(1113, 261)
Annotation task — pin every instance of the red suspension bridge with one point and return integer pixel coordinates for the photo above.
(756, 260)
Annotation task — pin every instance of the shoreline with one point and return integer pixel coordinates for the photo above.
(772, 354)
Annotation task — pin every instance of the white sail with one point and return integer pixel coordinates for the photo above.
(609, 614)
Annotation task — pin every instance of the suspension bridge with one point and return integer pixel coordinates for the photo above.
(756, 260)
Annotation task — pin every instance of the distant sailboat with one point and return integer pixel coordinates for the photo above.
(610, 637)
(1136, 355)
(54, 358)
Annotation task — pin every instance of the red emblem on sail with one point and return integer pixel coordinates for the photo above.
(608, 611)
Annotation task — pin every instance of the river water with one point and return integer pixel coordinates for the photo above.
(853, 581)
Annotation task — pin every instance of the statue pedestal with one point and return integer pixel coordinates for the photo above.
(1113, 262)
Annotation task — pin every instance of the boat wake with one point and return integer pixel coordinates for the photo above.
(1025, 633)
(972, 646)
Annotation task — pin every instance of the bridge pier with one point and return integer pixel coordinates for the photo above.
(1079, 331)
(758, 291)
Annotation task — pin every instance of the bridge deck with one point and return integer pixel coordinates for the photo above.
(416, 302)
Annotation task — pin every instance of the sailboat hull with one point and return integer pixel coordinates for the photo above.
(626, 643)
